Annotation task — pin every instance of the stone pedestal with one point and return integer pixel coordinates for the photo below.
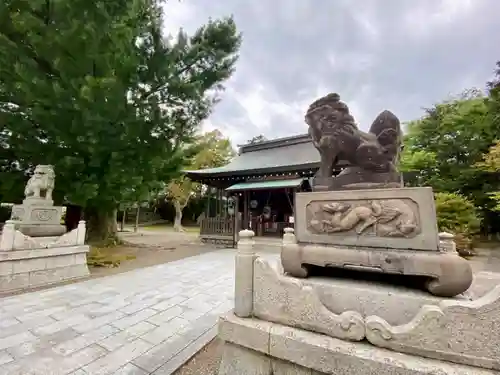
(27, 262)
(287, 321)
(256, 347)
(329, 326)
(382, 230)
(38, 217)
(23, 269)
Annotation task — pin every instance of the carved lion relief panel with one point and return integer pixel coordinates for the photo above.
(376, 217)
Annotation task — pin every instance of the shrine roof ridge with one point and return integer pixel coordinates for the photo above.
(274, 143)
(282, 154)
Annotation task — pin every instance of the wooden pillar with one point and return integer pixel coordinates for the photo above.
(224, 203)
(207, 208)
(245, 210)
(217, 192)
(219, 202)
(236, 218)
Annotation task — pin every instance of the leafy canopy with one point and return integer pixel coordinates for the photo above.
(491, 163)
(209, 150)
(452, 148)
(456, 214)
(94, 88)
(442, 147)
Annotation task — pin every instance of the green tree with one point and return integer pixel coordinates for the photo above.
(95, 89)
(493, 101)
(211, 150)
(442, 148)
(456, 214)
(491, 160)
(491, 164)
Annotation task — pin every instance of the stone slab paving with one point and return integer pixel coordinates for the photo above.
(146, 321)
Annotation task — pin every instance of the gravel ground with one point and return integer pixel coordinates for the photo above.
(205, 362)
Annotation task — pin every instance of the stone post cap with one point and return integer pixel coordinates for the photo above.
(81, 222)
(10, 222)
(446, 236)
(289, 230)
(246, 233)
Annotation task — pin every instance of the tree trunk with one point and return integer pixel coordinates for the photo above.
(178, 217)
(101, 225)
(124, 217)
(136, 226)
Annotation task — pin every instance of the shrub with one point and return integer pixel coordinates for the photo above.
(458, 215)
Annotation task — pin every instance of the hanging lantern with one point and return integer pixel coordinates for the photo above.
(230, 206)
(266, 212)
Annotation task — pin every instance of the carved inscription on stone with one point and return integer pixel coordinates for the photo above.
(377, 217)
(43, 214)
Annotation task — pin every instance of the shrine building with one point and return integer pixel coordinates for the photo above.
(256, 189)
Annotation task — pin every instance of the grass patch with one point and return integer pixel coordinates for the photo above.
(106, 257)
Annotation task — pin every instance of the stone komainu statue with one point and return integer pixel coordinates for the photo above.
(41, 184)
(372, 156)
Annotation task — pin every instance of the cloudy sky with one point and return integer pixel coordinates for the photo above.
(401, 55)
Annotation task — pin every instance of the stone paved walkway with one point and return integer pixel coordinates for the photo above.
(147, 321)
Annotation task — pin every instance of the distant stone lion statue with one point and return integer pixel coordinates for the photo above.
(41, 184)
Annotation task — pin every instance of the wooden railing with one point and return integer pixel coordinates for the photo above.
(217, 229)
(216, 225)
(271, 229)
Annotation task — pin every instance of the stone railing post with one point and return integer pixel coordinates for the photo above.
(291, 254)
(447, 243)
(243, 282)
(80, 234)
(8, 236)
(289, 236)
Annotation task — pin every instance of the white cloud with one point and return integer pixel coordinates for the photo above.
(429, 18)
(402, 55)
(352, 61)
(177, 15)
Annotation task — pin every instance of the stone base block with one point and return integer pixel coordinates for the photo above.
(281, 298)
(38, 201)
(403, 218)
(22, 269)
(256, 347)
(448, 274)
(391, 317)
(37, 214)
(41, 230)
(390, 231)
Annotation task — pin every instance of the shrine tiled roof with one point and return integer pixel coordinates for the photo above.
(279, 155)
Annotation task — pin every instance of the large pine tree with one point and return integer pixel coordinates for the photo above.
(95, 89)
